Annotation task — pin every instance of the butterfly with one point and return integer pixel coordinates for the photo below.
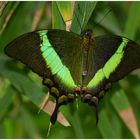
(73, 65)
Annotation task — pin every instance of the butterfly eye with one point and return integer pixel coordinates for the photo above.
(88, 32)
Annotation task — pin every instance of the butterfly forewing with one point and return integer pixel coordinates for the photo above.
(129, 62)
(68, 46)
(56, 50)
(101, 51)
(26, 48)
(113, 58)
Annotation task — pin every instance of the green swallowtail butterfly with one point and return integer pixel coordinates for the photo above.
(74, 65)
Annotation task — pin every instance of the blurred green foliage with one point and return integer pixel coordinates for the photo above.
(21, 91)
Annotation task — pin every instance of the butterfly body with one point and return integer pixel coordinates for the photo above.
(74, 65)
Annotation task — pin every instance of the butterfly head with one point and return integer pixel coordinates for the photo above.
(86, 39)
(87, 33)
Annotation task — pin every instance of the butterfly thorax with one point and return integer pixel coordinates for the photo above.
(87, 42)
(87, 39)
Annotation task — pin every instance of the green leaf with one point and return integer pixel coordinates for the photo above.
(5, 100)
(8, 126)
(66, 9)
(133, 20)
(105, 126)
(76, 124)
(82, 13)
(110, 23)
(21, 81)
(124, 109)
(57, 20)
(120, 101)
(29, 124)
(17, 24)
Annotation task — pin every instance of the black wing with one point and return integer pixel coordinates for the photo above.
(67, 45)
(106, 47)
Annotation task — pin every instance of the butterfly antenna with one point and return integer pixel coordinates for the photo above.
(83, 14)
(49, 129)
(103, 17)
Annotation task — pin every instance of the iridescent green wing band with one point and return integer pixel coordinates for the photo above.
(109, 67)
(54, 62)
